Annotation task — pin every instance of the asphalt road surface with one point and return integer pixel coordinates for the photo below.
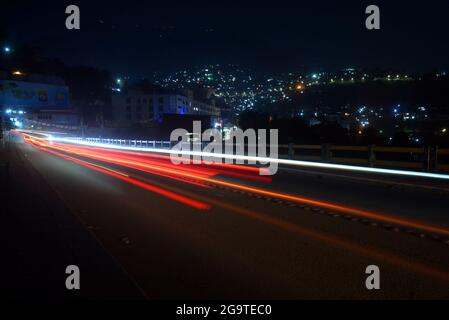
(216, 241)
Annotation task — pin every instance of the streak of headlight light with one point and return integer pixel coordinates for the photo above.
(168, 194)
(355, 211)
(262, 159)
(343, 243)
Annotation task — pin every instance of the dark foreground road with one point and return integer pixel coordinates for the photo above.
(130, 242)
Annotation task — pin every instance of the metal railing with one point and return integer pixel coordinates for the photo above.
(131, 142)
(427, 158)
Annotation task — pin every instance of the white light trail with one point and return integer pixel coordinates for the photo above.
(258, 159)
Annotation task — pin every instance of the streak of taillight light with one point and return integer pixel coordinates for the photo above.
(153, 169)
(359, 212)
(113, 173)
(165, 161)
(254, 170)
(202, 168)
(88, 152)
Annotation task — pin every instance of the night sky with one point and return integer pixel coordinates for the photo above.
(138, 37)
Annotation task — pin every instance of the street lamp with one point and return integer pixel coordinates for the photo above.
(7, 50)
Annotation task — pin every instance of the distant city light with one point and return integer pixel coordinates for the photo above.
(17, 73)
(241, 90)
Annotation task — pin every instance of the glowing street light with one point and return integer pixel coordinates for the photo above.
(7, 50)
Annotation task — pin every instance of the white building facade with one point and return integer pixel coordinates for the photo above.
(135, 106)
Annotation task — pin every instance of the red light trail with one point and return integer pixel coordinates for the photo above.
(160, 165)
(146, 164)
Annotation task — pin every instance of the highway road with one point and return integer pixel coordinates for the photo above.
(158, 232)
